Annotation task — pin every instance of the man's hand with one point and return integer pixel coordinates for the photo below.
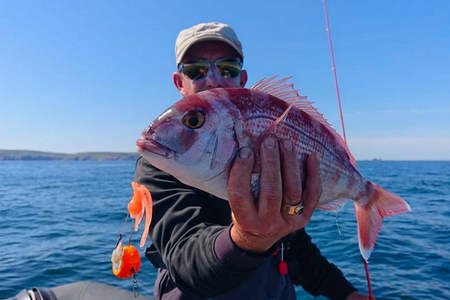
(257, 226)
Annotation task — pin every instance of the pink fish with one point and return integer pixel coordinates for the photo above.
(198, 137)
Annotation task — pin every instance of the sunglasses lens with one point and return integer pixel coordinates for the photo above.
(195, 70)
(229, 68)
(198, 69)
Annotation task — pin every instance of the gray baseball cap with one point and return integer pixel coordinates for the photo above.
(213, 31)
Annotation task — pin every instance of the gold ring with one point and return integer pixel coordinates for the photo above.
(294, 210)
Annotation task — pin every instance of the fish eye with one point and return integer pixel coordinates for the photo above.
(194, 119)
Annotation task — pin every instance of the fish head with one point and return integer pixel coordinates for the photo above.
(193, 140)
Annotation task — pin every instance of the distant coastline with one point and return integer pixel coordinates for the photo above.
(101, 156)
(41, 155)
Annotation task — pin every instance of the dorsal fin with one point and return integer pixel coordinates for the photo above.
(285, 91)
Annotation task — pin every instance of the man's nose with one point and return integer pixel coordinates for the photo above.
(213, 78)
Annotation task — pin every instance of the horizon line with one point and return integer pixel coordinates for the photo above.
(137, 153)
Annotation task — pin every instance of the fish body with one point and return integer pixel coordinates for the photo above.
(197, 139)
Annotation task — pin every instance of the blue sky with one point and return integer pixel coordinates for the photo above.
(91, 75)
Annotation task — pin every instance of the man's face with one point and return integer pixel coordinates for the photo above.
(208, 50)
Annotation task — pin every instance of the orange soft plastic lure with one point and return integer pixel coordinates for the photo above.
(126, 261)
(141, 204)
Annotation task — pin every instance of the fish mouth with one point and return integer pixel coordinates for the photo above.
(149, 145)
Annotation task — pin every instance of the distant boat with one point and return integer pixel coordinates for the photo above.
(376, 159)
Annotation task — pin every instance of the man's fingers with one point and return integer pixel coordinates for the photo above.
(292, 183)
(313, 189)
(271, 191)
(238, 188)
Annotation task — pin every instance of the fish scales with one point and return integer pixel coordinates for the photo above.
(307, 135)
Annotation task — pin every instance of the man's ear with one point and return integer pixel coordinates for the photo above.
(244, 78)
(178, 81)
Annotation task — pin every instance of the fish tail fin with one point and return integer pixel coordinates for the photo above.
(370, 215)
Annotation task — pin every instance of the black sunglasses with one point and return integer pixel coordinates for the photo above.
(198, 68)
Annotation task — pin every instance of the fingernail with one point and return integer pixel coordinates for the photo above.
(269, 142)
(287, 144)
(244, 152)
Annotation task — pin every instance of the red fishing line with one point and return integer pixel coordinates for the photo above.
(369, 286)
(333, 68)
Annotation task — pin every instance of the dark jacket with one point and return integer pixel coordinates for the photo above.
(196, 258)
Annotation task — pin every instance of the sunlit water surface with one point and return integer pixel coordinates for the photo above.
(60, 220)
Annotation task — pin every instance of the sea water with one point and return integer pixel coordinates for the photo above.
(60, 220)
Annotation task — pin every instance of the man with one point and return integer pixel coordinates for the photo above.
(208, 248)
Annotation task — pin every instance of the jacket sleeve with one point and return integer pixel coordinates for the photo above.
(310, 269)
(190, 230)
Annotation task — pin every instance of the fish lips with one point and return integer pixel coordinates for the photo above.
(144, 144)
